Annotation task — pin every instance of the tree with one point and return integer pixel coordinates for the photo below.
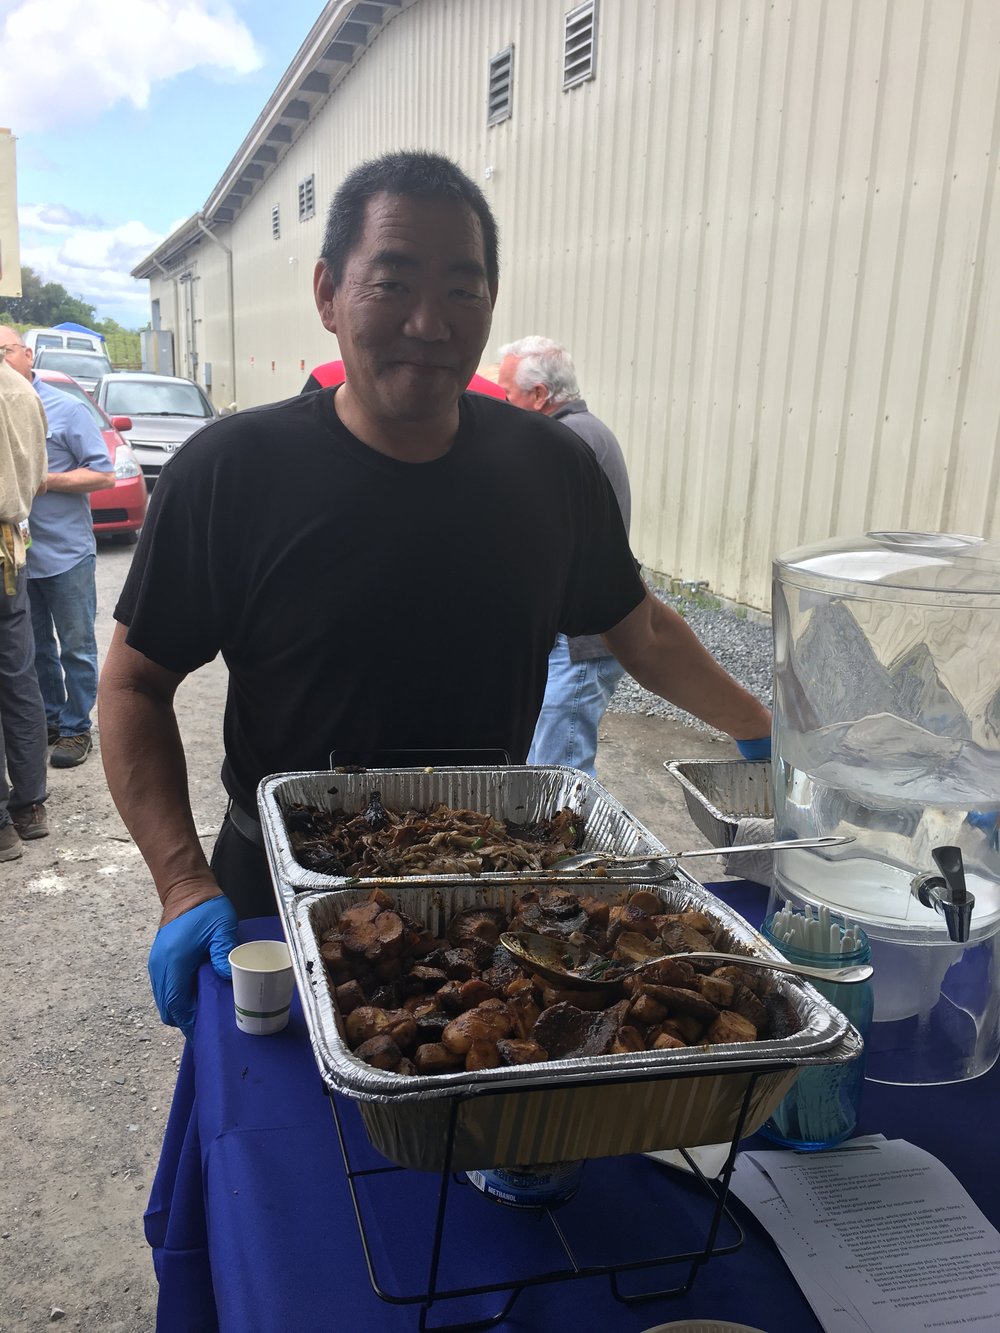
(44, 304)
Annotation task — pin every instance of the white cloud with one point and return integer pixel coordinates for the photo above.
(63, 61)
(54, 219)
(89, 258)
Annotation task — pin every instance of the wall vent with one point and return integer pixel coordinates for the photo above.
(307, 198)
(500, 95)
(580, 45)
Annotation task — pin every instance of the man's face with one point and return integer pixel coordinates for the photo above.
(534, 399)
(17, 356)
(413, 309)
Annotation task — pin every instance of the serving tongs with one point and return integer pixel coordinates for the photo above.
(575, 967)
(666, 862)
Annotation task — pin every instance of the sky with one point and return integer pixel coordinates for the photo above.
(126, 114)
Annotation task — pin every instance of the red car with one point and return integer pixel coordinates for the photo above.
(120, 510)
(332, 372)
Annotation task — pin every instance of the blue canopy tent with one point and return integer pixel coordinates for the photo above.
(70, 327)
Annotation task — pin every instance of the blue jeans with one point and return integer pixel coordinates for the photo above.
(576, 697)
(65, 605)
(23, 751)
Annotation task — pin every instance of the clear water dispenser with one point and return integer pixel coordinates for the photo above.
(887, 728)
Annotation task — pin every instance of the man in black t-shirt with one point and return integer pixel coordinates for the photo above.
(395, 582)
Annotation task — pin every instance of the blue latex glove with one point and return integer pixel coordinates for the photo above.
(988, 822)
(758, 749)
(178, 951)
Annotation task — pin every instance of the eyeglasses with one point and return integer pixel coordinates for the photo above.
(14, 347)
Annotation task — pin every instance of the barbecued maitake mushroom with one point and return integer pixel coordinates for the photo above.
(413, 1004)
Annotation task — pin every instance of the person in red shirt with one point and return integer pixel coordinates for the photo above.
(332, 372)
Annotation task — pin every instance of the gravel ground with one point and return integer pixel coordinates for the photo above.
(86, 1067)
(744, 647)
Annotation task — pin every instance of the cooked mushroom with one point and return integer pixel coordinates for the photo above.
(681, 938)
(746, 1003)
(381, 1051)
(515, 1051)
(411, 1003)
(482, 1054)
(557, 913)
(665, 1042)
(430, 978)
(730, 1026)
(677, 1000)
(628, 1039)
(646, 1011)
(567, 1032)
(434, 1058)
(717, 990)
(626, 919)
(350, 996)
(635, 947)
(464, 1030)
(476, 925)
(365, 1022)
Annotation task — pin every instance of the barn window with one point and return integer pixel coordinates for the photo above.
(276, 222)
(307, 198)
(580, 45)
(500, 96)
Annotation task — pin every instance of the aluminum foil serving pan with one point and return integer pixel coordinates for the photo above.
(522, 794)
(557, 1110)
(721, 793)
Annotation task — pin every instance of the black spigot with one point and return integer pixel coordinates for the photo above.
(948, 893)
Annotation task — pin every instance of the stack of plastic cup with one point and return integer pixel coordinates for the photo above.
(821, 1108)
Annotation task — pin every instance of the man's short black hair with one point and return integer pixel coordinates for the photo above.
(415, 174)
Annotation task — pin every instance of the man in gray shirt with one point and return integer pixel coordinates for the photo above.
(538, 375)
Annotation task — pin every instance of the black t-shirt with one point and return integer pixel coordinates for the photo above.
(364, 604)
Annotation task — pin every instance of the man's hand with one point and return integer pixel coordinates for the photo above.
(178, 951)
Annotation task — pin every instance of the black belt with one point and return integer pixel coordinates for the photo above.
(246, 824)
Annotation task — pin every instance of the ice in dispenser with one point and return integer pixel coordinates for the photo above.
(887, 728)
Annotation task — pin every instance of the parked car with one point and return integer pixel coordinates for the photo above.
(84, 367)
(72, 340)
(120, 510)
(165, 411)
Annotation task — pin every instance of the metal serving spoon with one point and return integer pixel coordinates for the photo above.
(556, 961)
(613, 861)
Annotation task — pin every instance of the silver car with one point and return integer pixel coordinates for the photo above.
(165, 411)
(85, 367)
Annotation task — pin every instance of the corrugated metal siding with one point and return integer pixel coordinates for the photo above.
(767, 232)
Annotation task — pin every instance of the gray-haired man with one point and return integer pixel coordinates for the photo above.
(538, 375)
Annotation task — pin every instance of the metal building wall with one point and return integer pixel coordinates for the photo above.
(194, 307)
(767, 231)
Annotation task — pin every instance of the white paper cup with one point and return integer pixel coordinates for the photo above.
(262, 985)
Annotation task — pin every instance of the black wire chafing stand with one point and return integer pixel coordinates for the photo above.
(717, 1190)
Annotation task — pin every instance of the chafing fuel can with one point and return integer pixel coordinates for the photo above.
(529, 1186)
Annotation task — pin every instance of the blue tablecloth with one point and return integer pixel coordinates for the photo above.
(252, 1226)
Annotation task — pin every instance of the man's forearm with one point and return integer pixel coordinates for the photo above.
(80, 481)
(661, 651)
(147, 776)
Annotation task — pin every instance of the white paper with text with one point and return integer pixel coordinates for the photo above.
(894, 1233)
